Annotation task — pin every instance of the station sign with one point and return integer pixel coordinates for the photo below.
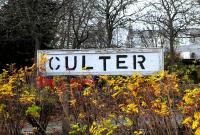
(125, 61)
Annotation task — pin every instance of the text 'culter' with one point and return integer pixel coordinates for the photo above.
(104, 62)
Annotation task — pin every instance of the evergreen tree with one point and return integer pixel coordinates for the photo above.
(25, 26)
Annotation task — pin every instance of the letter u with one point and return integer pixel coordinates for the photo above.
(67, 63)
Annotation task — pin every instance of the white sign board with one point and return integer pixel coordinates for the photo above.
(102, 62)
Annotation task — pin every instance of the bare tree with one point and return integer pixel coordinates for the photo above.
(81, 21)
(196, 15)
(113, 13)
(151, 37)
(171, 17)
(75, 24)
(93, 24)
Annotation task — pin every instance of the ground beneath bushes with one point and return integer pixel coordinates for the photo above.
(54, 127)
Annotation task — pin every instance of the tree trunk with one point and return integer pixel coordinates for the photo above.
(109, 40)
(109, 34)
(69, 26)
(171, 42)
(37, 47)
(65, 106)
(172, 53)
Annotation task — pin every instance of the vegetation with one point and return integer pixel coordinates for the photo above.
(26, 26)
(24, 97)
(154, 105)
(29, 25)
(171, 17)
(166, 103)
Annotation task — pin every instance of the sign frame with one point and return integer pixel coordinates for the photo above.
(102, 51)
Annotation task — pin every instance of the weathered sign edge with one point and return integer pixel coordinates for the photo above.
(105, 51)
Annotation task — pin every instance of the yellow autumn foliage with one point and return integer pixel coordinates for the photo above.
(111, 104)
(190, 108)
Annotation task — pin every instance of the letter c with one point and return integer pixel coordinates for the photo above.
(50, 63)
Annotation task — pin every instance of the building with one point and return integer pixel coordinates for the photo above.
(187, 43)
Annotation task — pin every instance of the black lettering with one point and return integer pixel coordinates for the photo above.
(67, 63)
(84, 64)
(104, 58)
(58, 65)
(134, 61)
(142, 61)
(50, 60)
(120, 62)
(50, 63)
